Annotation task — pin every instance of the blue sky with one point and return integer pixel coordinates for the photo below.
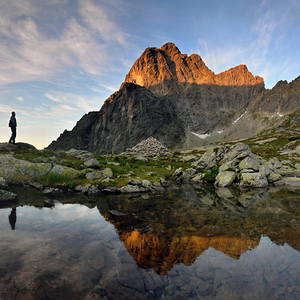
(60, 59)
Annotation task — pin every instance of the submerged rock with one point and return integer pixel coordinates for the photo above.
(7, 196)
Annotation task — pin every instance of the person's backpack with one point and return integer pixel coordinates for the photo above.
(10, 123)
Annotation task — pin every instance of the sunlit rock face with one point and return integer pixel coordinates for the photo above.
(150, 251)
(161, 67)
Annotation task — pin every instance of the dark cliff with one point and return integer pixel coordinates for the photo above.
(126, 118)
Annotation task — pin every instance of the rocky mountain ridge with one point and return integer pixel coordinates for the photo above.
(178, 100)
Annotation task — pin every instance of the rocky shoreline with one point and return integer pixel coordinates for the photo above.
(224, 166)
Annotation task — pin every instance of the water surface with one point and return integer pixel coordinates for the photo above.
(186, 243)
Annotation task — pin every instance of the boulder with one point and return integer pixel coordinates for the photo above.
(92, 163)
(237, 151)
(7, 196)
(107, 173)
(18, 171)
(207, 161)
(65, 171)
(264, 169)
(249, 163)
(134, 182)
(94, 175)
(53, 192)
(229, 165)
(198, 178)
(146, 184)
(291, 181)
(253, 180)
(225, 178)
(133, 189)
(273, 177)
(93, 191)
(178, 173)
(3, 184)
(188, 174)
(81, 154)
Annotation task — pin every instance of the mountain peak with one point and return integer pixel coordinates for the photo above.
(157, 67)
(170, 49)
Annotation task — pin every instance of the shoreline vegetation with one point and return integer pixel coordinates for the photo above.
(151, 167)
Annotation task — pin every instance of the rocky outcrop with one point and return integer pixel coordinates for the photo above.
(21, 171)
(237, 165)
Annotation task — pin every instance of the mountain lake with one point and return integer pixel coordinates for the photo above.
(188, 242)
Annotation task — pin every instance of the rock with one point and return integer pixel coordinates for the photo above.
(65, 171)
(264, 169)
(229, 165)
(81, 154)
(49, 203)
(253, 180)
(297, 166)
(273, 177)
(93, 191)
(225, 178)
(92, 163)
(110, 189)
(94, 175)
(249, 163)
(237, 151)
(207, 161)
(291, 181)
(188, 174)
(116, 213)
(198, 178)
(133, 189)
(86, 188)
(17, 171)
(107, 173)
(178, 174)
(146, 184)
(3, 184)
(7, 196)
(79, 188)
(134, 182)
(53, 192)
(275, 162)
(188, 158)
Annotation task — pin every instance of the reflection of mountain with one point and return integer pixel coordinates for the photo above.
(150, 251)
(188, 221)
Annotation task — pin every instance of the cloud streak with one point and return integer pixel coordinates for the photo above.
(31, 53)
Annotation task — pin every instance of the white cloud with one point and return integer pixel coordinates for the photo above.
(76, 102)
(33, 50)
(20, 98)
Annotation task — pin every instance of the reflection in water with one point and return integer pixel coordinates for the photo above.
(13, 218)
(191, 243)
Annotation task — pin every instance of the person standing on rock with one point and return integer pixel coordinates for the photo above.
(13, 126)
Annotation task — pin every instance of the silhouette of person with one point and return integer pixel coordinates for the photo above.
(13, 126)
(13, 218)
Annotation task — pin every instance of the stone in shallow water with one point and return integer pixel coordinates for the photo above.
(7, 196)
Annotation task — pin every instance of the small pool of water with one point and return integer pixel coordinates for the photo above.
(187, 243)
